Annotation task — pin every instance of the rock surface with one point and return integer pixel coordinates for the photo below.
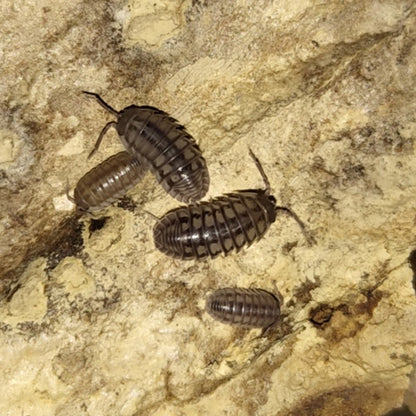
(95, 321)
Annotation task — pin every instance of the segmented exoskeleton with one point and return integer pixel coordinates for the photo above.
(226, 223)
(249, 308)
(160, 143)
(107, 182)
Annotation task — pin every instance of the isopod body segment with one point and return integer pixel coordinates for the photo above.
(159, 142)
(250, 308)
(226, 223)
(107, 182)
(207, 229)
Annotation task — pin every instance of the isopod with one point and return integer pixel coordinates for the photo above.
(107, 182)
(251, 308)
(226, 223)
(160, 143)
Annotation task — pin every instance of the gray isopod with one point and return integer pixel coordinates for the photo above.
(160, 143)
(251, 308)
(226, 223)
(107, 182)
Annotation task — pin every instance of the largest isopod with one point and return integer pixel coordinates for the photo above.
(244, 307)
(226, 223)
(107, 182)
(159, 142)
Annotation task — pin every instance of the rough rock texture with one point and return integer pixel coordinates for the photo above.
(95, 321)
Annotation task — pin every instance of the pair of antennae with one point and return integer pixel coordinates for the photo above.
(308, 236)
(111, 110)
(259, 166)
(107, 126)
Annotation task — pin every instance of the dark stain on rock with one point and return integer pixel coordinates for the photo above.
(97, 224)
(138, 68)
(352, 401)
(400, 411)
(66, 241)
(302, 294)
(63, 241)
(30, 329)
(288, 247)
(412, 262)
(127, 203)
(54, 244)
(339, 321)
(385, 139)
(368, 306)
(321, 315)
(354, 172)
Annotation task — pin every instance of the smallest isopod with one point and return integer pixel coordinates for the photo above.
(248, 308)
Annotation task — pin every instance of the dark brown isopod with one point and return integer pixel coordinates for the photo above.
(107, 182)
(164, 146)
(251, 308)
(226, 223)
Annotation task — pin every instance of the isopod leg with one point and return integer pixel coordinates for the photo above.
(78, 211)
(157, 219)
(268, 330)
(102, 102)
(100, 137)
(277, 294)
(309, 238)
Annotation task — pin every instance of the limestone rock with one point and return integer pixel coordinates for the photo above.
(95, 321)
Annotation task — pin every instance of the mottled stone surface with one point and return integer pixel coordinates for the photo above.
(95, 321)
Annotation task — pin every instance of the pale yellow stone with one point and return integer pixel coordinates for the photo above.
(74, 146)
(152, 31)
(72, 275)
(29, 302)
(62, 203)
(9, 147)
(150, 24)
(103, 323)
